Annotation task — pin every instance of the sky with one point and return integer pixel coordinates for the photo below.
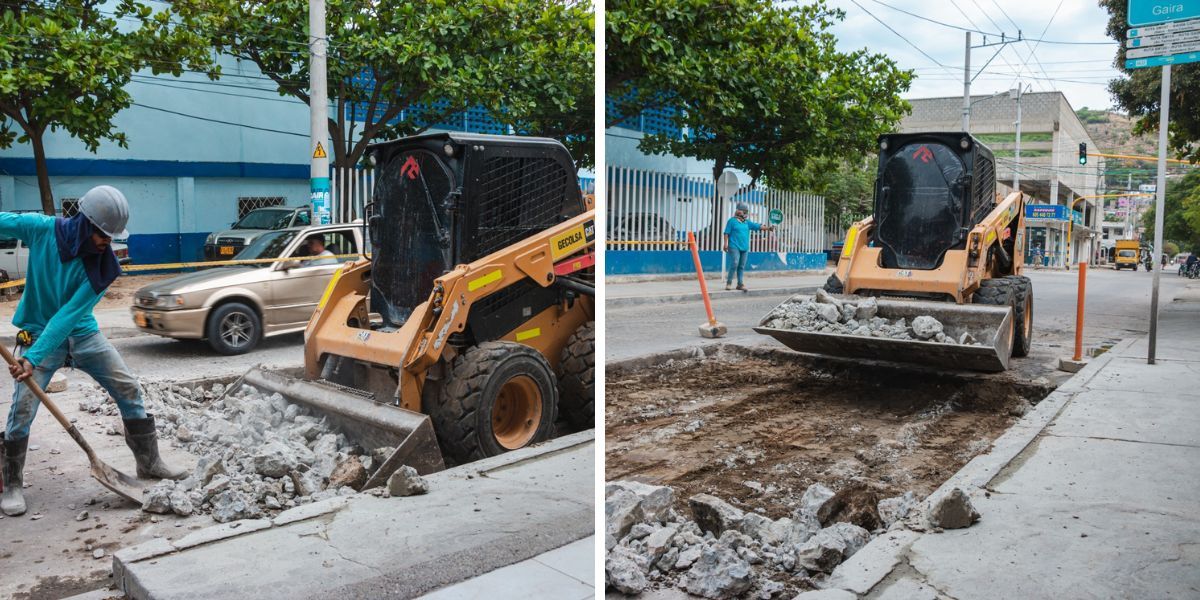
(1079, 71)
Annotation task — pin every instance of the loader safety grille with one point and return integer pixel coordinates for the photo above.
(519, 196)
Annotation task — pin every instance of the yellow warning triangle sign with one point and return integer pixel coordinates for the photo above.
(320, 151)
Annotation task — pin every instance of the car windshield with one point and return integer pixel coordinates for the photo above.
(270, 245)
(265, 219)
(1126, 253)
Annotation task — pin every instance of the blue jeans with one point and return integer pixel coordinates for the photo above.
(737, 261)
(92, 354)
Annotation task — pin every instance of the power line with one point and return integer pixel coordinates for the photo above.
(898, 34)
(980, 31)
(210, 120)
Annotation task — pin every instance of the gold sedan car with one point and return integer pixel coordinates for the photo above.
(234, 307)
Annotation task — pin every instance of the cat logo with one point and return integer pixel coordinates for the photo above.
(569, 243)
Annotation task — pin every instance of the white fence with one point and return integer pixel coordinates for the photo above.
(650, 210)
(349, 192)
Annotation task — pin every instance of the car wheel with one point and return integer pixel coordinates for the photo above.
(233, 328)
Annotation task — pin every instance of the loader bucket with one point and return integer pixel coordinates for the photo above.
(364, 421)
(990, 325)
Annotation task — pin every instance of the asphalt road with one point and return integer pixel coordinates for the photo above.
(1118, 304)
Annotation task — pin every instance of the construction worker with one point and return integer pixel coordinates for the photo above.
(737, 243)
(71, 264)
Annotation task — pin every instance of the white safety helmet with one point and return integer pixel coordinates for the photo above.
(105, 206)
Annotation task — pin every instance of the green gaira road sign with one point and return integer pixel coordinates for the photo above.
(775, 217)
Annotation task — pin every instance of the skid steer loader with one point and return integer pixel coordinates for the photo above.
(940, 242)
(471, 326)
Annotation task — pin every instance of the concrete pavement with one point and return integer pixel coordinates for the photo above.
(657, 289)
(1092, 495)
(475, 519)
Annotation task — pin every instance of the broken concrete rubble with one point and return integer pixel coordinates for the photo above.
(258, 452)
(720, 550)
(952, 510)
(406, 482)
(826, 313)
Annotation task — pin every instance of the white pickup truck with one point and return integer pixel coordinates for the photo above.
(14, 256)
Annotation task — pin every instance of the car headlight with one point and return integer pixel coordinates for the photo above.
(168, 301)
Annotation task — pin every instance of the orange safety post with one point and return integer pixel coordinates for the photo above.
(712, 329)
(1079, 312)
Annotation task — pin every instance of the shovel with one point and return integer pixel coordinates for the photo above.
(123, 485)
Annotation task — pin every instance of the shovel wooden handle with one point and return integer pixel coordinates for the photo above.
(58, 414)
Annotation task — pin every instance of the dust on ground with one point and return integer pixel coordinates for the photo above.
(119, 294)
(758, 430)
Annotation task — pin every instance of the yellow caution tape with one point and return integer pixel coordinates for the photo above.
(212, 263)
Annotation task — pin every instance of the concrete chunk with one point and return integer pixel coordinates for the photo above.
(953, 511)
(714, 515)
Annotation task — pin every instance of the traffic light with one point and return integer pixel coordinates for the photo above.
(1083, 153)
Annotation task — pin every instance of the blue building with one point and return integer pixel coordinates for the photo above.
(201, 154)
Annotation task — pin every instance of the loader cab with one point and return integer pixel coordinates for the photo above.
(446, 199)
(930, 190)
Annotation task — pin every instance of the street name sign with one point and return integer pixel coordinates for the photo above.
(1151, 12)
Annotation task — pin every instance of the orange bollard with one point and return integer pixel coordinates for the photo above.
(713, 328)
(1079, 312)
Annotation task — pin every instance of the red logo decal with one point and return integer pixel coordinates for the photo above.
(924, 154)
(411, 169)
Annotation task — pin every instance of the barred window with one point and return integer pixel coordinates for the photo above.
(249, 203)
(70, 207)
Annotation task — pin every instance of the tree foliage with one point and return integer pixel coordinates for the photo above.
(1140, 92)
(760, 86)
(848, 186)
(1181, 216)
(408, 65)
(64, 65)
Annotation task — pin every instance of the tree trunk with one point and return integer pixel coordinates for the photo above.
(43, 174)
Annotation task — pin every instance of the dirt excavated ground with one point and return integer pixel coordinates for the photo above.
(757, 430)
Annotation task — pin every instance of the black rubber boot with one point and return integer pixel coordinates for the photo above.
(142, 438)
(12, 501)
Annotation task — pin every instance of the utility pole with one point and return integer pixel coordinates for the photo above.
(967, 87)
(318, 107)
(1160, 195)
(1017, 153)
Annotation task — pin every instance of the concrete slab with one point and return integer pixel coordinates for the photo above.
(544, 576)
(1037, 549)
(475, 519)
(908, 589)
(1132, 474)
(1166, 377)
(1135, 416)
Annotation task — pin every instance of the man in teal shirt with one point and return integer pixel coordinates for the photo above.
(737, 243)
(71, 265)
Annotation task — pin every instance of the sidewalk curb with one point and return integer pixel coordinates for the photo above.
(619, 301)
(975, 476)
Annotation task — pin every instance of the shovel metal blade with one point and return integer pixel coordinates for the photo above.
(991, 326)
(121, 484)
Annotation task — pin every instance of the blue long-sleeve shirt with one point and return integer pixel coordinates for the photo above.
(739, 233)
(58, 297)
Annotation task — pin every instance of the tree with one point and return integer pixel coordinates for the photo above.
(1139, 93)
(64, 65)
(760, 86)
(405, 66)
(848, 187)
(1181, 216)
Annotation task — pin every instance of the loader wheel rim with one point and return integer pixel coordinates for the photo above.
(517, 412)
(236, 329)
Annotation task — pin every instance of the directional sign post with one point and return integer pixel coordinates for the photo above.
(1162, 33)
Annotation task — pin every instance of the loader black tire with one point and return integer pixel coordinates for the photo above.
(999, 292)
(833, 285)
(1023, 314)
(577, 377)
(470, 420)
